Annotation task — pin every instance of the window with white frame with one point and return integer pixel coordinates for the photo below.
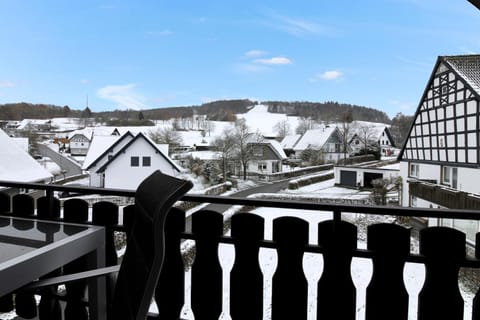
(414, 170)
(449, 176)
(262, 166)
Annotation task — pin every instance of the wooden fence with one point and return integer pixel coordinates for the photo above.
(441, 251)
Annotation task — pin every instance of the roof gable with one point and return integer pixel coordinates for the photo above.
(130, 143)
(101, 146)
(444, 125)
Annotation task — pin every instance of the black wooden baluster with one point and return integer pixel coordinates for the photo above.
(444, 250)
(106, 214)
(206, 270)
(246, 277)
(76, 211)
(5, 206)
(387, 297)
(336, 291)
(476, 299)
(289, 284)
(48, 208)
(128, 216)
(6, 302)
(23, 205)
(170, 292)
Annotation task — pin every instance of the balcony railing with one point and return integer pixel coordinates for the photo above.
(442, 252)
(443, 195)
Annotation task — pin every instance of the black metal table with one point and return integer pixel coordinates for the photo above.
(31, 248)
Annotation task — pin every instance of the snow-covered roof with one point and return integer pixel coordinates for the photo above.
(206, 155)
(131, 142)
(314, 138)
(277, 148)
(468, 66)
(373, 129)
(17, 165)
(289, 141)
(66, 124)
(21, 142)
(98, 146)
(26, 122)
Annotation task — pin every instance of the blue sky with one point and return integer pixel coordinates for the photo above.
(150, 54)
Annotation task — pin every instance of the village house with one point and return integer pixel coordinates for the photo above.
(367, 134)
(267, 157)
(439, 162)
(79, 144)
(123, 162)
(326, 140)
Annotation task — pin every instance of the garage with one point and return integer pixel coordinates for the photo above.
(348, 178)
(368, 177)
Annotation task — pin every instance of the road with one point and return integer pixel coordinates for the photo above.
(221, 208)
(264, 188)
(70, 167)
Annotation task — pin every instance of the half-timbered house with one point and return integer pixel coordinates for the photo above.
(440, 160)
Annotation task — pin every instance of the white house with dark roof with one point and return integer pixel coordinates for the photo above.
(79, 144)
(128, 161)
(267, 157)
(102, 149)
(17, 165)
(440, 160)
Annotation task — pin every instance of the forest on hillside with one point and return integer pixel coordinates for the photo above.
(222, 110)
(327, 111)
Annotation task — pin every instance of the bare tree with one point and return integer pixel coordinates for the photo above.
(382, 187)
(366, 134)
(282, 128)
(225, 144)
(166, 135)
(345, 131)
(209, 126)
(304, 125)
(244, 150)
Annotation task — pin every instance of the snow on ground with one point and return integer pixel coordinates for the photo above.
(258, 118)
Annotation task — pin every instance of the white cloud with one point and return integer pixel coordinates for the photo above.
(162, 33)
(297, 27)
(7, 84)
(301, 27)
(123, 95)
(255, 53)
(327, 75)
(273, 61)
